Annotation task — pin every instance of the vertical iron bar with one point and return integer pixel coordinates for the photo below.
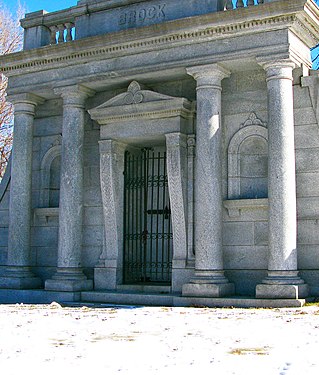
(152, 200)
(170, 241)
(127, 212)
(124, 218)
(157, 205)
(163, 222)
(145, 193)
(131, 212)
(137, 238)
(141, 212)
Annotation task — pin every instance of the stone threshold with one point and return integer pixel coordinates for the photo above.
(136, 298)
(176, 300)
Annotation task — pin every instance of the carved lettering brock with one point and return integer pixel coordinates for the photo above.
(141, 15)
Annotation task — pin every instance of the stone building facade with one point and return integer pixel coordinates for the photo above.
(165, 152)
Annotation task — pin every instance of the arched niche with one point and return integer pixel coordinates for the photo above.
(248, 163)
(50, 177)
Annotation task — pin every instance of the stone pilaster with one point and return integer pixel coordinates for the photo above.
(17, 273)
(282, 280)
(108, 273)
(69, 275)
(176, 144)
(209, 280)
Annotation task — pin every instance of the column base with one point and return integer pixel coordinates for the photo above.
(208, 284)
(69, 280)
(17, 277)
(282, 284)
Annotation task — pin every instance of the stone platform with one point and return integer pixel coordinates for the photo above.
(137, 297)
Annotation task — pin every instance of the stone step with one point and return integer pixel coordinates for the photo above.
(131, 297)
(158, 289)
(128, 298)
(237, 302)
(156, 299)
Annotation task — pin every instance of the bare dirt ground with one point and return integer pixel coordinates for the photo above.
(49, 339)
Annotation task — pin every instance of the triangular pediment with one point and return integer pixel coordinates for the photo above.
(140, 102)
(134, 95)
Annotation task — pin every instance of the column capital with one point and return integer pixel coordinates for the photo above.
(74, 95)
(208, 76)
(25, 102)
(277, 68)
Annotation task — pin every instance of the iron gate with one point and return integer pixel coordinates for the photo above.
(147, 219)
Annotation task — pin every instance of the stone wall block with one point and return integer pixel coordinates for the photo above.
(308, 184)
(238, 233)
(245, 257)
(307, 160)
(308, 257)
(308, 232)
(307, 136)
(44, 236)
(46, 256)
(261, 233)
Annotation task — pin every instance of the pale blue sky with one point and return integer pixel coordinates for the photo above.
(34, 5)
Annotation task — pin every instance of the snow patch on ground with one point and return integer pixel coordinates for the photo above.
(50, 339)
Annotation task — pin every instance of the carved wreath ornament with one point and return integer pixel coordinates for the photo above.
(134, 94)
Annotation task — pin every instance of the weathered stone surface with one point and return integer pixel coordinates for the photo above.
(219, 198)
(208, 290)
(238, 233)
(208, 192)
(261, 233)
(3, 255)
(245, 257)
(308, 184)
(308, 257)
(308, 232)
(4, 218)
(307, 160)
(45, 236)
(140, 14)
(307, 136)
(282, 291)
(46, 256)
(307, 207)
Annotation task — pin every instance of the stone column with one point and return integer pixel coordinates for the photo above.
(69, 275)
(109, 271)
(282, 280)
(18, 274)
(209, 280)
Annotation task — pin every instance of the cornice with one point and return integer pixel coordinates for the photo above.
(298, 15)
(110, 45)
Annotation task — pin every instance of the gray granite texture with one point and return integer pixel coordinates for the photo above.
(228, 95)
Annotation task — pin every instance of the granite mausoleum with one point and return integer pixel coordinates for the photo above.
(165, 152)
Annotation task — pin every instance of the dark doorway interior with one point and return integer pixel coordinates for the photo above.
(148, 239)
